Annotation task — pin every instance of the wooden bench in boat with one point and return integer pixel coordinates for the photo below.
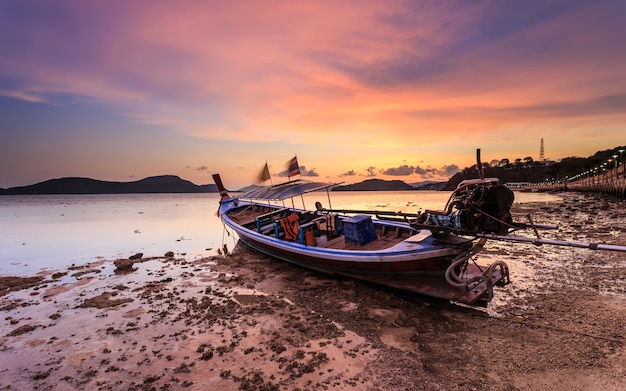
(265, 222)
(308, 232)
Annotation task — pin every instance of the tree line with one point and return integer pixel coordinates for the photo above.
(529, 170)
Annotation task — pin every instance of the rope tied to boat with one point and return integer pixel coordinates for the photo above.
(226, 232)
(455, 279)
(487, 276)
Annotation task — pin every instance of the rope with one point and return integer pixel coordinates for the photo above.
(456, 280)
(225, 231)
(486, 275)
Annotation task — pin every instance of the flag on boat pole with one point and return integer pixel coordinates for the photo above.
(293, 168)
(265, 174)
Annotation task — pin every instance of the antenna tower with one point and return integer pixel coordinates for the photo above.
(542, 155)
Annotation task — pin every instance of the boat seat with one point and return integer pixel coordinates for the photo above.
(330, 224)
(308, 232)
(265, 222)
(326, 223)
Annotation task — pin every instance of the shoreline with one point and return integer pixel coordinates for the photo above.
(245, 321)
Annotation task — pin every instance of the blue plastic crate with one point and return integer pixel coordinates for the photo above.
(359, 230)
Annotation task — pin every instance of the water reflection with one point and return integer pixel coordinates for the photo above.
(53, 231)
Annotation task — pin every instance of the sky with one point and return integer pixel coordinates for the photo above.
(362, 89)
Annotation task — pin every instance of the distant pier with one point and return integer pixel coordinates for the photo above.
(611, 181)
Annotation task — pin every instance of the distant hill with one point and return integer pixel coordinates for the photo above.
(375, 185)
(506, 175)
(429, 185)
(538, 172)
(156, 184)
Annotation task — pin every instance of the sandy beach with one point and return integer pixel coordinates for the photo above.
(248, 322)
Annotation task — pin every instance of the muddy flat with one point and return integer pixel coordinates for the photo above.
(248, 322)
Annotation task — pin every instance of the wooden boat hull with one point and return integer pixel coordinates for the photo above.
(416, 264)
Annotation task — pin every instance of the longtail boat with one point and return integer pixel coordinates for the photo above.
(430, 253)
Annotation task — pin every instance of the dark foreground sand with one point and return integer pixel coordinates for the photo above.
(248, 322)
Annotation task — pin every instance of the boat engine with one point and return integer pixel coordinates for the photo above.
(476, 206)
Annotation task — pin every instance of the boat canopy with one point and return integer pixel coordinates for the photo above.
(284, 190)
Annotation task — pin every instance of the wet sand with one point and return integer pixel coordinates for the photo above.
(248, 322)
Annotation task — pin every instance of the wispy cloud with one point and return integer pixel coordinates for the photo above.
(363, 74)
(243, 71)
(348, 173)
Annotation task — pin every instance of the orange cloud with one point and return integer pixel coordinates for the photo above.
(416, 80)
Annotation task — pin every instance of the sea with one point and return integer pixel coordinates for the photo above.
(41, 233)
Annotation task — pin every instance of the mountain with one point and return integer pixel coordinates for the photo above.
(375, 185)
(155, 184)
(429, 185)
(506, 175)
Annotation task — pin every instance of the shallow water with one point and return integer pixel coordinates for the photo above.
(42, 232)
(52, 231)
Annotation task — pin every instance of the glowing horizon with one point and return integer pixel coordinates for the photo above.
(120, 92)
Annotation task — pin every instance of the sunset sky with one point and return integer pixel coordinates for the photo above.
(407, 90)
